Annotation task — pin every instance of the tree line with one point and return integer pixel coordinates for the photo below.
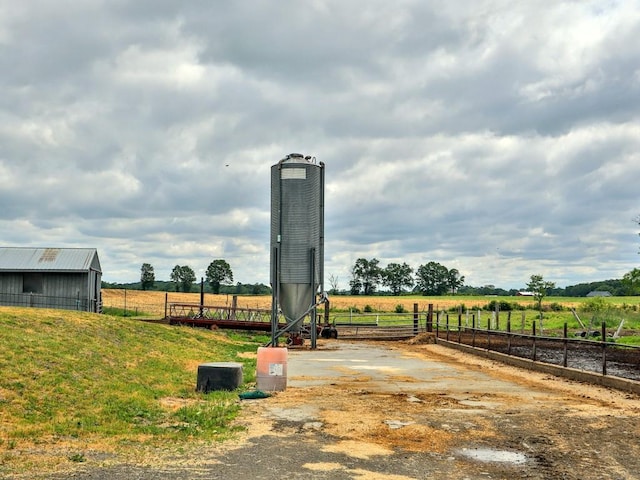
(435, 279)
(219, 279)
(431, 278)
(367, 278)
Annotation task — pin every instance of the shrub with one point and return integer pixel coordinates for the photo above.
(400, 308)
(595, 305)
(458, 308)
(367, 308)
(503, 306)
(556, 307)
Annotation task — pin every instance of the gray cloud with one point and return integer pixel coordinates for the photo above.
(499, 138)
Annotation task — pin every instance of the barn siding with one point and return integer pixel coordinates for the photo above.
(65, 285)
(11, 283)
(67, 291)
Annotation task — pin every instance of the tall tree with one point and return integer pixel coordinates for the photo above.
(631, 281)
(432, 279)
(218, 273)
(455, 280)
(367, 274)
(355, 286)
(539, 286)
(396, 277)
(147, 276)
(183, 276)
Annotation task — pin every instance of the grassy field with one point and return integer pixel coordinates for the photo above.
(73, 382)
(76, 381)
(153, 303)
(557, 310)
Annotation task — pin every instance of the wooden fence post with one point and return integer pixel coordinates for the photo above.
(565, 342)
(604, 348)
(166, 303)
(473, 330)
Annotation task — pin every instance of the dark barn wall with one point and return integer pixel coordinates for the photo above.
(69, 291)
(10, 283)
(65, 285)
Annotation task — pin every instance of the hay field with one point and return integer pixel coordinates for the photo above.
(153, 303)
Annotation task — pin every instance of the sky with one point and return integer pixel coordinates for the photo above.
(497, 137)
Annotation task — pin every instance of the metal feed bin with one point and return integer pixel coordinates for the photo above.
(297, 241)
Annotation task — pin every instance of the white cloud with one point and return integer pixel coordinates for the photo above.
(496, 137)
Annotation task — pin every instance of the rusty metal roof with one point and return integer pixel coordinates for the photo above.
(20, 259)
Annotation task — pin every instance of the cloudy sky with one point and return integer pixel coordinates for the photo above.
(498, 137)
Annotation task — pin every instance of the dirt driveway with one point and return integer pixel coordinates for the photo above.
(397, 411)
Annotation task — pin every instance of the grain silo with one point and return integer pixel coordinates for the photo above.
(297, 241)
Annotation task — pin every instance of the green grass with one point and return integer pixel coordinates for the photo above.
(592, 315)
(86, 379)
(556, 312)
(129, 312)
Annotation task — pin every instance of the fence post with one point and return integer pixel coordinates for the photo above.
(488, 334)
(430, 318)
(415, 318)
(566, 342)
(604, 348)
(533, 349)
(509, 333)
(459, 325)
(447, 320)
(166, 303)
(234, 306)
(473, 330)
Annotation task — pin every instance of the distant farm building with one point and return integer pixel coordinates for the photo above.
(599, 293)
(65, 278)
(524, 294)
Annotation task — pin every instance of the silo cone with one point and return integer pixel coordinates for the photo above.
(294, 301)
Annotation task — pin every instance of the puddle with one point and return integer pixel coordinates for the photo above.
(491, 455)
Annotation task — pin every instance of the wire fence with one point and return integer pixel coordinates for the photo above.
(48, 301)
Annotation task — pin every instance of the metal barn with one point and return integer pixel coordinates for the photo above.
(65, 278)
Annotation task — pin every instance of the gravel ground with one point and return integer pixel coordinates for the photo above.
(397, 411)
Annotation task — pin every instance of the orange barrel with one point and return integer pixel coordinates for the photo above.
(271, 371)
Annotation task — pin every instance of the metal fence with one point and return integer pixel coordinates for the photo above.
(379, 326)
(46, 301)
(601, 356)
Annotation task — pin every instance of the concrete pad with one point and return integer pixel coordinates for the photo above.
(392, 370)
